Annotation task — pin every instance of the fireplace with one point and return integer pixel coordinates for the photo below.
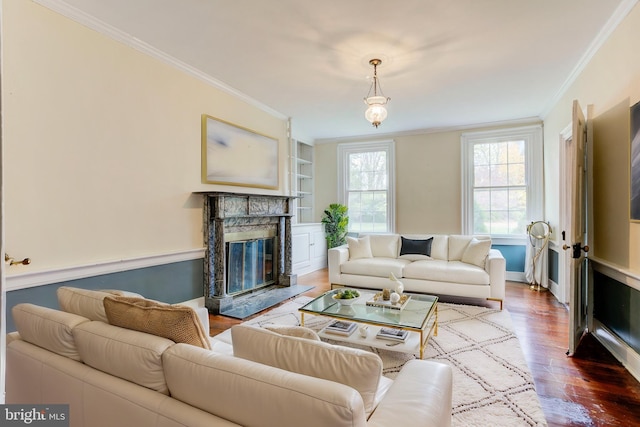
(247, 246)
(249, 263)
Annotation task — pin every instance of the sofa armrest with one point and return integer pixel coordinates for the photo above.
(420, 395)
(496, 266)
(336, 257)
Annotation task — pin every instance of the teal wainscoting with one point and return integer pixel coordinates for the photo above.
(553, 266)
(617, 306)
(172, 283)
(514, 255)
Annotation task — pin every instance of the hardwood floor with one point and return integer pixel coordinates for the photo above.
(589, 389)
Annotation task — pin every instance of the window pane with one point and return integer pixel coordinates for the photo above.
(499, 175)
(482, 176)
(516, 152)
(516, 174)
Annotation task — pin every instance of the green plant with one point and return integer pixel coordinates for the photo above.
(335, 220)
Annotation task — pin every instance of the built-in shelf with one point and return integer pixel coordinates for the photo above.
(302, 180)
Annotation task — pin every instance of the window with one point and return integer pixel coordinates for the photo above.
(502, 181)
(366, 182)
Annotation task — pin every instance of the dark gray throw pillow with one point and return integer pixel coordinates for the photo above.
(416, 247)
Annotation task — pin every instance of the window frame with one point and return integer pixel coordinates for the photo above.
(534, 172)
(347, 148)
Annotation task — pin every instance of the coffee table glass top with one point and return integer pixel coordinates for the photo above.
(414, 315)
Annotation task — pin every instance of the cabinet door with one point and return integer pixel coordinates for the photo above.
(320, 248)
(300, 250)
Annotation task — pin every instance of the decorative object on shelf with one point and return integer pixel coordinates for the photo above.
(394, 298)
(538, 232)
(233, 155)
(379, 301)
(335, 220)
(397, 284)
(364, 330)
(346, 296)
(376, 112)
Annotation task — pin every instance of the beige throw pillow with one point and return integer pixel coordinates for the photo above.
(476, 252)
(359, 247)
(175, 322)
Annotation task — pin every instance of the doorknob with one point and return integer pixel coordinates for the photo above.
(576, 247)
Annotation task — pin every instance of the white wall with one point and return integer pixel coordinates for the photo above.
(102, 145)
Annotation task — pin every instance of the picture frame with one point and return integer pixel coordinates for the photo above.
(634, 162)
(234, 155)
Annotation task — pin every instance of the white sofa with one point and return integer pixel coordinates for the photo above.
(115, 376)
(458, 265)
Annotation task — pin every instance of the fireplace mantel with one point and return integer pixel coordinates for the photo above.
(234, 213)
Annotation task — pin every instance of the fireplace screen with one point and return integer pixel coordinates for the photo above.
(250, 264)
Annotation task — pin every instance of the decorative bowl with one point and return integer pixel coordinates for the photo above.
(346, 301)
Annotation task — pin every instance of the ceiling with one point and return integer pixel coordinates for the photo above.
(444, 63)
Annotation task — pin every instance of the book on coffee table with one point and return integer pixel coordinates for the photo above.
(392, 334)
(340, 327)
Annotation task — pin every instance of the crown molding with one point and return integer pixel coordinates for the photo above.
(414, 132)
(113, 33)
(609, 27)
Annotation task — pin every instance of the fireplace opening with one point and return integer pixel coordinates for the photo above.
(250, 264)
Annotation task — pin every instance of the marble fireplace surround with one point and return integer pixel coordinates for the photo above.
(227, 214)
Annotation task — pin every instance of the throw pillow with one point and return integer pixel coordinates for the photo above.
(384, 245)
(414, 250)
(359, 247)
(175, 322)
(476, 252)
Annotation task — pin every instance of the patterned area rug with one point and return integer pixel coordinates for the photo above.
(492, 385)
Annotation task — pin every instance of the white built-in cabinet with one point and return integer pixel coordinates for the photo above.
(309, 248)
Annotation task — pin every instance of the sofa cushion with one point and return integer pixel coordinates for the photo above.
(379, 267)
(359, 247)
(83, 302)
(252, 394)
(48, 328)
(293, 331)
(177, 323)
(447, 271)
(356, 368)
(476, 252)
(384, 245)
(130, 355)
(414, 249)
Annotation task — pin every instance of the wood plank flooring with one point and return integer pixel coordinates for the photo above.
(589, 389)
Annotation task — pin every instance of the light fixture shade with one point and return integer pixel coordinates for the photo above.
(376, 112)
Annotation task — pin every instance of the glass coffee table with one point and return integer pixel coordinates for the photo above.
(419, 317)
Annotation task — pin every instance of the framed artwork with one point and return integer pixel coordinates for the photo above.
(635, 163)
(233, 155)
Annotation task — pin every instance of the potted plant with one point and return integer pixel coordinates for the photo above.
(335, 220)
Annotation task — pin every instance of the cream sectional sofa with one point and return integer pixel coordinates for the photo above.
(458, 265)
(116, 376)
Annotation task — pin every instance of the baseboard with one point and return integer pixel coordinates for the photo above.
(629, 358)
(515, 276)
(39, 278)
